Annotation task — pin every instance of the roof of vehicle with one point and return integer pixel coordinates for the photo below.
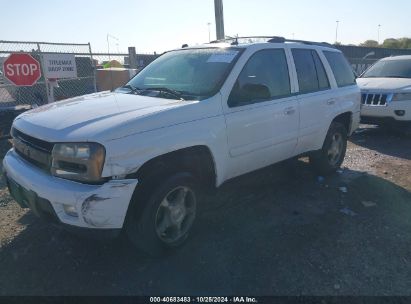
(245, 42)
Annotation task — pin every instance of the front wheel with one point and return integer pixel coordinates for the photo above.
(331, 156)
(163, 216)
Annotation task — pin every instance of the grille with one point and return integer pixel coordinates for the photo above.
(374, 99)
(33, 150)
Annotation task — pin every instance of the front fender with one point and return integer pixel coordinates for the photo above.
(126, 155)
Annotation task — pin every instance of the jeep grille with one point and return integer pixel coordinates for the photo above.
(371, 99)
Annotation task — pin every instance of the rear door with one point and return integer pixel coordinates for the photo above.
(314, 95)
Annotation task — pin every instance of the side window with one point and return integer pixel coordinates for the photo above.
(343, 72)
(264, 77)
(310, 71)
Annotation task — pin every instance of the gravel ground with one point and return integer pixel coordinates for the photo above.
(278, 231)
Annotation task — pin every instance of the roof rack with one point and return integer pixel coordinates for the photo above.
(272, 39)
(235, 39)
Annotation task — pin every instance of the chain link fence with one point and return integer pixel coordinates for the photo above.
(104, 61)
(16, 99)
(87, 63)
(84, 83)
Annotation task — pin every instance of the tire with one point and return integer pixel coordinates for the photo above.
(331, 156)
(162, 215)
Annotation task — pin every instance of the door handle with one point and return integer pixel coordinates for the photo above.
(289, 111)
(330, 102)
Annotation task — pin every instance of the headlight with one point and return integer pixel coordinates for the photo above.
(401, 97)
(78, 161)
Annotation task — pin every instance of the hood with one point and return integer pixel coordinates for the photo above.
(82, 118)
(384, 84)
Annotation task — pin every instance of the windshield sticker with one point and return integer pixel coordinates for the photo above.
(226, 57)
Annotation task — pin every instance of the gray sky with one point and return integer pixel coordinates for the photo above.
(164, 24)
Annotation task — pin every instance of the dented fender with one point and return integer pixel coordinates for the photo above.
(106, 207)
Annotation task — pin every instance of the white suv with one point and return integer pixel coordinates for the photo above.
(136, 159)
(386, 92)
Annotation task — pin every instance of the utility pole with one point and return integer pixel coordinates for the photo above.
(219, 19)
(336, 31)
(209, 33)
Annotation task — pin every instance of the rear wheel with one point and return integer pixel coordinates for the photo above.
(162, 216)
(331, 156)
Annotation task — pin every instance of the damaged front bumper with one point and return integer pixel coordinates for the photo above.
(68, 202)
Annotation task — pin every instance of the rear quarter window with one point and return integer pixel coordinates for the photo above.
(343, 73)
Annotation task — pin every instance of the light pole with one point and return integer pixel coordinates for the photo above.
(108, 42)
(336, 31)
(109, 58)
(209, 34)
(379, 29)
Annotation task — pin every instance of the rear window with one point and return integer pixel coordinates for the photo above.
(343, 73)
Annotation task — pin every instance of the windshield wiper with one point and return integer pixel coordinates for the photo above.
(131, 88)
(135, 90)
(172, 92)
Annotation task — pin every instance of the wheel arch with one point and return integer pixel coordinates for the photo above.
(198, 160)
(345, 119)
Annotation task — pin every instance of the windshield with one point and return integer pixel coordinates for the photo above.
(191, 73)
(390, 68)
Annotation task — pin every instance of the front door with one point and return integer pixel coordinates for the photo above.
(262, 117)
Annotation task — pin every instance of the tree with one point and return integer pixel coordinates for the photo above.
(402, 43)
(370, 43)
(405, 43)
(391, 43)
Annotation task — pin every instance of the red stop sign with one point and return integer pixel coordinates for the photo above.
(22, 69)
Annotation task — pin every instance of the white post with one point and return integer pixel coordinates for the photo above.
(94, 68)
(49, 87)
